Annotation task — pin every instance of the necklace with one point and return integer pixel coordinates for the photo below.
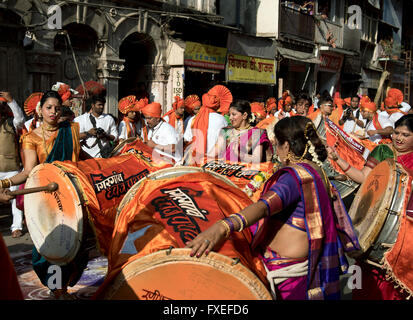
(49, 127)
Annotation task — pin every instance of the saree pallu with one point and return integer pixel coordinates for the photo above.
(329, 230)
(241, 147)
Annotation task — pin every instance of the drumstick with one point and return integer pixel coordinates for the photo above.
(50, 187)
(340, 177)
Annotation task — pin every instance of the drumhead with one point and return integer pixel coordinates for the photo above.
(119, 147)
(54, 219)
(168, 173)
(370, 207)
(175, 275)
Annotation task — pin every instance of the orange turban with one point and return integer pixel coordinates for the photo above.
(396, 94)
(271, 104)
(210, 101)
(258, 109)
(364, 100)
(4, 99)
(31, 103)
(179, 102)
(370, 106)
(390, 102)
(191, 102)
(141, 103)
(224, 96)
(127, 104)
(153, 109)
(288, 101)
(347, 101)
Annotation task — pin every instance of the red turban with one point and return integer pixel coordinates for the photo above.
(390, 102)
(127, 104)
(396, 94)
(31, 103)
(153, 109)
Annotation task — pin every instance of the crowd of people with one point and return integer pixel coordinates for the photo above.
(301, 229)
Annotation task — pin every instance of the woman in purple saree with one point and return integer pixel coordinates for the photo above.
(243, 142)
(300, 227)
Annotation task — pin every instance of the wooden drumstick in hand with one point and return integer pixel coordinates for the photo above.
(53, 186)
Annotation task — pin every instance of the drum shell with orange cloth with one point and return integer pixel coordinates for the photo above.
(89, 192)
(164, 211)
(377, 209)
(249, 177)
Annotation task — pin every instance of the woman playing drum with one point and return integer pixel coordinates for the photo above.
(52, 141)
(299, 224)
(374, 285)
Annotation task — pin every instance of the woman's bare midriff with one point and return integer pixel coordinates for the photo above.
(289, 242)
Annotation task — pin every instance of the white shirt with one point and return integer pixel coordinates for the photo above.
(384, 122)
(286, 114)
(180, 126)
(392, 118)
(122, 129)
(104, 121)
(215, 123)
(351, 126)
(164, 134)
(18, 116)
(405, 107)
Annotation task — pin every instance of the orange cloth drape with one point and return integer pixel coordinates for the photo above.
(167, 223)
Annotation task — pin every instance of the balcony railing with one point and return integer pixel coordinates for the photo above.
(328, 33)
(296, 24)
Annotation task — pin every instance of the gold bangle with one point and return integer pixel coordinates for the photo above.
(10, 182)
(241, 223)
(246, 221)
(227, 228)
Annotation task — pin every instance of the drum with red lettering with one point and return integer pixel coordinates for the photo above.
(157, 217)
(89, 192)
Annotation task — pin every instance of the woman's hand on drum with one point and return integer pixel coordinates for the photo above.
(207, 240)
(4, 196)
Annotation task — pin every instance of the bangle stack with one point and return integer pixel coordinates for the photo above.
(229, 223)
(5, 183)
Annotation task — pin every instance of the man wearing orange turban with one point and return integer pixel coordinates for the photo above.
(175, 116)
(257, 108)
(203, 130)
(131, 125)
(393, 107)
(192, 104)
(285, 108)
(271, 106)
(378, 127)
(159, 134)
(65, 92)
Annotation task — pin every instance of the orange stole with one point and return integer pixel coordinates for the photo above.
(349, 148)
(398, 260)
(104, 184)
(248, 177)
(154, 220)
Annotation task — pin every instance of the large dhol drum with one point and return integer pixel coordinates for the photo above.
(155, 220)
(55, 220)
(87, 197)
(175, 275)
(377, 209)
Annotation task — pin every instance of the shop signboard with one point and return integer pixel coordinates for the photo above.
(204, 56)
(330, 62)
(250, 69)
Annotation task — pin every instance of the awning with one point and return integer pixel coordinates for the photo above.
(337, 50)
(251, 46)
(298, 55)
